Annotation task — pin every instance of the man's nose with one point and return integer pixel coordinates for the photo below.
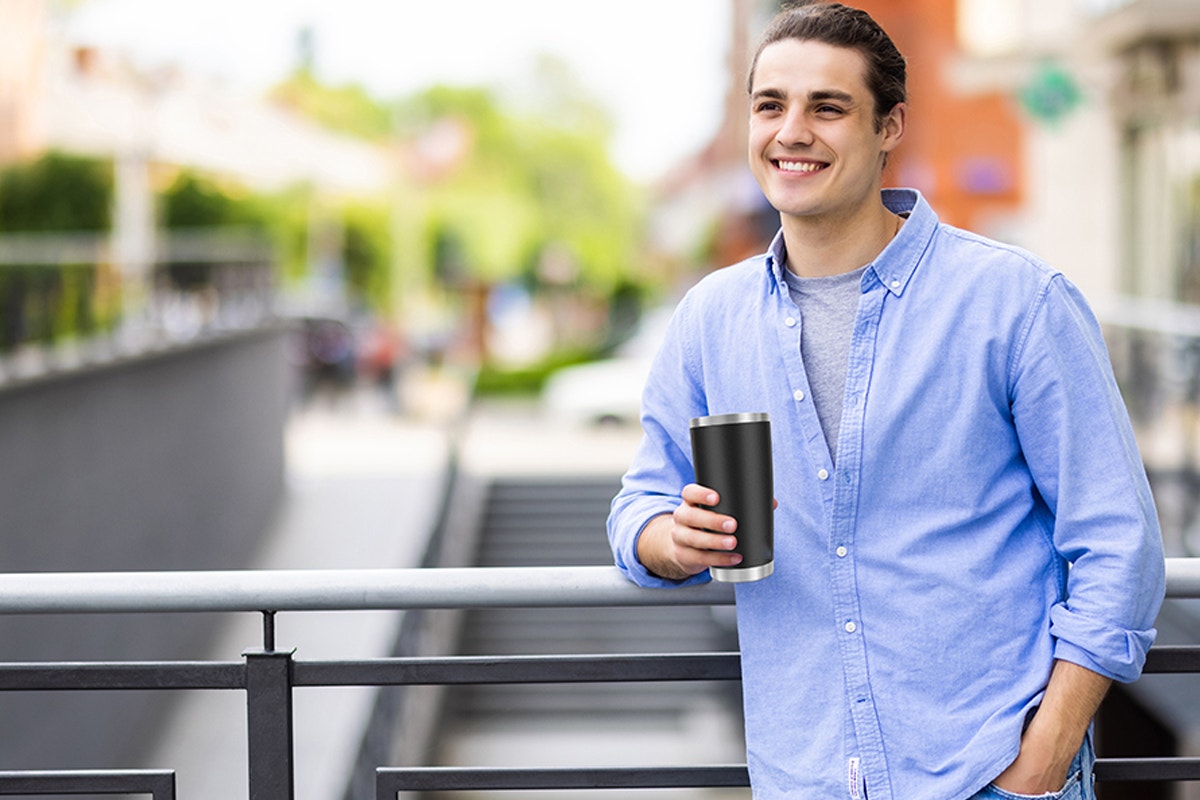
(795, 130)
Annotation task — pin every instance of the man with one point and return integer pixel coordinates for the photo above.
(966, 549)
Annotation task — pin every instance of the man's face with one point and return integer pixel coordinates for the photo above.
(814, 147)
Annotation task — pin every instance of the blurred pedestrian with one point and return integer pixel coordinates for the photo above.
(381, 357)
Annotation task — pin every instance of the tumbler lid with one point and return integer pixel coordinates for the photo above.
(728, 419)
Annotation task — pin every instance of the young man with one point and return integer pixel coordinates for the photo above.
(966, 549)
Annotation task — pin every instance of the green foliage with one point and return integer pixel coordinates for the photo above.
(497, 381)
(531, 185)
(286, 216)
(528, 186)
(57, 192)
(346, 109)
(46, 303)
(524, 178)
(195, 201)
(366, 255)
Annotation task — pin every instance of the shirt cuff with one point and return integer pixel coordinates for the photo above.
(1114, 652)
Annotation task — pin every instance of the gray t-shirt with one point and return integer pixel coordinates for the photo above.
(828, 307)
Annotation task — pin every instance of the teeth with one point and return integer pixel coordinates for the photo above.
(800, 166)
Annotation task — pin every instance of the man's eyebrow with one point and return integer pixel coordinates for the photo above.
(830, 94)
(815, 96)
(773, 94)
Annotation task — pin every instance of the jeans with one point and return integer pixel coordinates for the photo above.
(1080, 783)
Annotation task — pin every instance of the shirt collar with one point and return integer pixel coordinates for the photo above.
(893, 268)
(776, 261)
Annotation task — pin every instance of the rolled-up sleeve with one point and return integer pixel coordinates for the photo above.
(662, 466)
(1077, 438)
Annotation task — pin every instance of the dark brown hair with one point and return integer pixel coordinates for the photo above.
(842, 26)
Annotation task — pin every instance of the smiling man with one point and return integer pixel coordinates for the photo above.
(966, 551)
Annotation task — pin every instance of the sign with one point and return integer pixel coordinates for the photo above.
(1051, 94)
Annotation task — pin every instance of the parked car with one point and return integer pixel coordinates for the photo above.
(608, 391)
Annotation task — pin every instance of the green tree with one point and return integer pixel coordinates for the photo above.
(528, 175)
(57, 192)
(366, 255)
(43, 302)
(529, 183)
(195, 201)
(346, 109)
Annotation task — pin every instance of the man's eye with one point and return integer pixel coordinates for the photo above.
(762, 108)
(829, 111)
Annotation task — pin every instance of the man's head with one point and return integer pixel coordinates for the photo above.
(826, 110)
(841, 26)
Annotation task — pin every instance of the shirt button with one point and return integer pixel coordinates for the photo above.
(790, 322)
(823, 474)
(895, 284)
(841, 551)
(851, 627)
(798, 394)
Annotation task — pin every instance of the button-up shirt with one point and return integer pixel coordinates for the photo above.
(988, 512)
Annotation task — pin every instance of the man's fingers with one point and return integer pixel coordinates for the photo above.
(694, 513)
(699, 495)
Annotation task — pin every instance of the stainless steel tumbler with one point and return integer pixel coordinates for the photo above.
(731, 454)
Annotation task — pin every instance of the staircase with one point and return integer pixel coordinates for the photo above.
(561, 522)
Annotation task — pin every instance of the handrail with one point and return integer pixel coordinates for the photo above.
(269, 676)
(376, 589)
(159, 784)
(340, 590)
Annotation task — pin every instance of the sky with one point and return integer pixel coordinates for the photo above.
(658, 66)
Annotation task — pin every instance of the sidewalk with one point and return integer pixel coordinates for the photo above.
(513, 438)
(362, 490)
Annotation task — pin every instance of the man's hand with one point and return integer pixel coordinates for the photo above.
(690, 540)
(1056, 731)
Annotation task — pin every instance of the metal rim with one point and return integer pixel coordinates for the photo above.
(742, 574)
(729, 419)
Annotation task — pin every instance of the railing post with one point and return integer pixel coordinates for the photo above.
(269, 716)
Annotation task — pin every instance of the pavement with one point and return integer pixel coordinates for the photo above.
(362, 489)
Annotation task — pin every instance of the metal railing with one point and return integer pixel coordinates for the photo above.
(64, 302)
(269, 676)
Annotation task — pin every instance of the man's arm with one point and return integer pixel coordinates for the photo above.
(1056, 731)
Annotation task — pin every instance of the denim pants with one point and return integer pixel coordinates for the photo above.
(1080, 783)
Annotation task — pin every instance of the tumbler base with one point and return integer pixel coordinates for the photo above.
(742, 574)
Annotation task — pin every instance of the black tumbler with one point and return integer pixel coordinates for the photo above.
(731, 454)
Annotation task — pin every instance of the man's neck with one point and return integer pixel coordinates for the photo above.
(819, 247)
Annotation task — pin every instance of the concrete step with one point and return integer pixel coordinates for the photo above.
(546, 521)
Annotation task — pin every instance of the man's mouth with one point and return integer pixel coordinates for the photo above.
(800, 166)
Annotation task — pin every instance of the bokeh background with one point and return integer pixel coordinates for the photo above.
(267, 268)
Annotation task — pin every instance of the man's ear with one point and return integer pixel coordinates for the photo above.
(895, 122)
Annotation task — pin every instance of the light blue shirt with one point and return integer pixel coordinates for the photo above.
(989, 512)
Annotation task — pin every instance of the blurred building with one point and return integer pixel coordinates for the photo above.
(59, 95)
(55, 94)
(964, 145)
(1111, 92)
(20, 56)
(1112, 154)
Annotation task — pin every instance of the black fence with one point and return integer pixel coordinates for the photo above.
(269, 676)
